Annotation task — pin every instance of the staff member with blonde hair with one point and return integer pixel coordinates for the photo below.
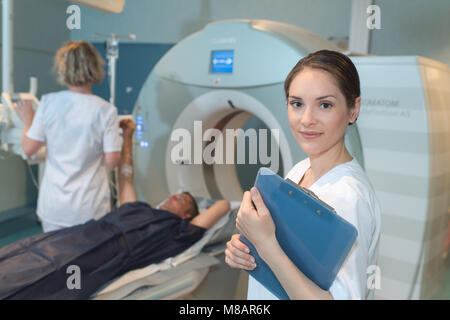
(81, 131)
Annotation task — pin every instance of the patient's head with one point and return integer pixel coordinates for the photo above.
(181, 204)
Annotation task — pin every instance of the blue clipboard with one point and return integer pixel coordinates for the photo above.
(309, 231)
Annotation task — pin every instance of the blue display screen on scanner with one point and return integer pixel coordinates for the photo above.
(222, 61)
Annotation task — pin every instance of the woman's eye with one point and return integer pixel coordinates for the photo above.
(325, 105)
(296, 104)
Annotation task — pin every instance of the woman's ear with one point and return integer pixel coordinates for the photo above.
(354, 112)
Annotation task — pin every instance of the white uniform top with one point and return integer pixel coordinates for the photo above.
(77, 128)
(347, 189)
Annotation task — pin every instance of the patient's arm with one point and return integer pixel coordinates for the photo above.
(127, 193)
(210, 216)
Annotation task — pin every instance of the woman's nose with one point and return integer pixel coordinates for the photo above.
(307, 117)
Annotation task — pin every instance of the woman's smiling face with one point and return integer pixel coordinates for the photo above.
(317, 111)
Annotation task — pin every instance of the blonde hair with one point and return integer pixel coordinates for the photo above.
(78, 63)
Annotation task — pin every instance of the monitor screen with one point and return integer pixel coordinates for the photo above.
(222, 61)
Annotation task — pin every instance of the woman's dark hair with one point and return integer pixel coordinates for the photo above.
(193, 210)
(338, 65)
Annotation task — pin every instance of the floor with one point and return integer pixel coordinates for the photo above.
(28, 224)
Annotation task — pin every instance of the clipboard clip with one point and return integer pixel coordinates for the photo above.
(312, 194)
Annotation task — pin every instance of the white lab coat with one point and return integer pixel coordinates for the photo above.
(77, 129)
(347, 189)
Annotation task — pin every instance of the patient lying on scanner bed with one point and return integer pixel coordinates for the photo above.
(74, 262)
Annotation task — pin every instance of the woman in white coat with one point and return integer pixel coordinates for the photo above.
(81, 132)
(323, 98)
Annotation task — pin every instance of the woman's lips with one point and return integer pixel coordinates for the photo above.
(310, 134)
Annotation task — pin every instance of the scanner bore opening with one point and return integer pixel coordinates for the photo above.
(243, 174)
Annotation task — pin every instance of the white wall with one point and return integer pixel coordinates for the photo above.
(168, 21)
(413, 27)
(409, 27)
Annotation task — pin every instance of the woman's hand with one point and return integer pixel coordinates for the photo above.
(256, 224)
(237, 254)
(25, 111)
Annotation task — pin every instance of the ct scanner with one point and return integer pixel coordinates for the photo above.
(230, 75)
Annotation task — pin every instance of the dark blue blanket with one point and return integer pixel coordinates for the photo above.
(133, 236)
